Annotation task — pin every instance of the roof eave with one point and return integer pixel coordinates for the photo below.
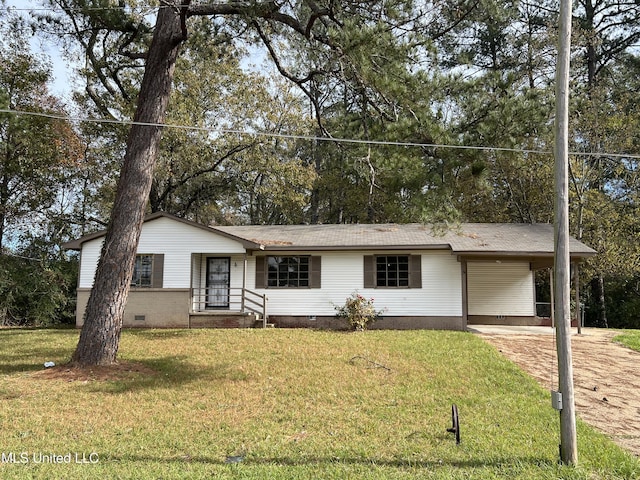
(247, 244)
(334, 248)
(502, 253)
(78, 242)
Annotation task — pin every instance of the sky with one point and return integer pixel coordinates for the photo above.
(62, 74)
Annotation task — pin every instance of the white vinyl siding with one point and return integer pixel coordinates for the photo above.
(176, 240)
(88, 262)
(500, 288)
(342, 274)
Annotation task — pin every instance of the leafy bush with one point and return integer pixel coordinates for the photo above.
(358, 311)
(36, 292)
(623, 302)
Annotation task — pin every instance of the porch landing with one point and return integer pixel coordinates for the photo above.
(225, 319)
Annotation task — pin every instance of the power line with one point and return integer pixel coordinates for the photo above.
(15, 255)
(86, 9)
(310, 137)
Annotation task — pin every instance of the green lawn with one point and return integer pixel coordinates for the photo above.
(630, 338)
(285, 404)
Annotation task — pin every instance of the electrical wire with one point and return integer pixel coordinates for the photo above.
(277, 135)
(87, 9)
(310, 137)
(15, 255)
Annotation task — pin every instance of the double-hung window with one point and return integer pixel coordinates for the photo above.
(392, 271)
(288, 271)
(148, 271)
(291, 272)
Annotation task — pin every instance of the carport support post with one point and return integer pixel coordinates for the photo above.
(553, 303)
(576, 286)
(568, 435)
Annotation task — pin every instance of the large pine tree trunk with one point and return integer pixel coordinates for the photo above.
(100, 335)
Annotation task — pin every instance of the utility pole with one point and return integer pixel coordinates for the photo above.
(568, 436)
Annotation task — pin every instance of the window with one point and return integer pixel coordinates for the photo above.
(392, 271)
(147, 271)
(289, 272)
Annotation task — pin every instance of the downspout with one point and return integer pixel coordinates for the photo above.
(576, 283)
(553, 302)
(535, 291)
(78, 316)
(465, 295)
(244, 281)
(190, 289)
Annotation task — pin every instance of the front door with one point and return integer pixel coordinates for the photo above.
(218, 282)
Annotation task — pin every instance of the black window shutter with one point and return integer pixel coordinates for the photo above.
(369, 271)
(415, 271)
(316, 272)
(158, 270)
(260, 271)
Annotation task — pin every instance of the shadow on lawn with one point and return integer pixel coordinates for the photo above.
(25, 349)
(26, 329)
(126, 376)
(32, 360)
(159, 334)
(516, 463)
(163, 372)
(9, 368)
(509, 463)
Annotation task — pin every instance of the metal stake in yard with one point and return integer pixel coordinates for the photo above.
(455, 423)
(568, 436)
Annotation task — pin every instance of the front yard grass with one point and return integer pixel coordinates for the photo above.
(283, 404)
(630, 338)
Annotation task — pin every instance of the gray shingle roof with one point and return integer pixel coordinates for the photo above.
(469, 238)
(463, 239)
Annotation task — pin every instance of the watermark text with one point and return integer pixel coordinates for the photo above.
(84, 458)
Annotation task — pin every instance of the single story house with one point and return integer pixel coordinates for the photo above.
(192, 275)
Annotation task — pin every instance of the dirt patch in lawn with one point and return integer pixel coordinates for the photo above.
(606, 378)
(118, 371)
